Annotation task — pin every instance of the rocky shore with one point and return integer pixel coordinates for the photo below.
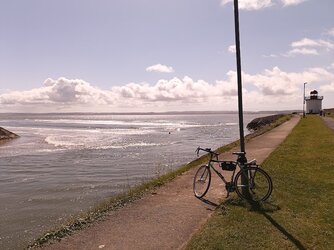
(6, 135)
(261, 122)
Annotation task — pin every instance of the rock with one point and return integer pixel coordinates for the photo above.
(260, 122)
(6, 135)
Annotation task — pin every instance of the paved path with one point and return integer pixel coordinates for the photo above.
(167, 218)
(329, 122)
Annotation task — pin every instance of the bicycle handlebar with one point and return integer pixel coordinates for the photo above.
(206, 150)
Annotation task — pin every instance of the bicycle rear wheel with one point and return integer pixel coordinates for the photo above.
(202, 181)
(259, 186)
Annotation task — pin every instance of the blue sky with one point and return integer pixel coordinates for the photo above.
(154, 55)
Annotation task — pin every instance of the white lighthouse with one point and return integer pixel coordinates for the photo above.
(314, 103)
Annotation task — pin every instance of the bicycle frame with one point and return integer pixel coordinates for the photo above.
(217, 172)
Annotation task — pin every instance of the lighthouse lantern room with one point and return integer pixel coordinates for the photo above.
(314, 103)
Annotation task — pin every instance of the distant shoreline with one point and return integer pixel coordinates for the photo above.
(156, 113)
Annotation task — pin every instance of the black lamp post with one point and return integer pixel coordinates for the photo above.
(237, 46)
(304, 101)
(242, 158)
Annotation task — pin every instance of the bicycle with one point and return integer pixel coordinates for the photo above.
(250, 183)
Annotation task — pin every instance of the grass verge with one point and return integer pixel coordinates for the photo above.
(300, 212)
(102, 209)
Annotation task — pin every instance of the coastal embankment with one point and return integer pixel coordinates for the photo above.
(164, 217)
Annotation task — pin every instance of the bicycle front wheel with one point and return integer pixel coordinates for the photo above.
(202, 181)
(259, 186)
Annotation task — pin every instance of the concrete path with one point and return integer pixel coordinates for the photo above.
(167, 218)
(329, 122)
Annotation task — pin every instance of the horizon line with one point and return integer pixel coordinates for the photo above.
(162, 112)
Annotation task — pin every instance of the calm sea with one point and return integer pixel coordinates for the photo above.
(64, 164)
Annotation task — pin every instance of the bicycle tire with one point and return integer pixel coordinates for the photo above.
(259, 187)
(202, 181)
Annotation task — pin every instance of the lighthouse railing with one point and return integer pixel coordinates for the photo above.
(314, 97)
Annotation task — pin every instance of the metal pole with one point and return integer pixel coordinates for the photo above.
(304, 101)
(242, 159)
(237, 46)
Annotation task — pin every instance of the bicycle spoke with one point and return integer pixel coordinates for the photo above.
(202, 181)
(259, 184)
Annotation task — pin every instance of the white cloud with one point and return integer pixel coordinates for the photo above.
(61, 91)
(292, 2)
(251, 4)
(160, 68)
(270, 89)
(232, 49)
(272, 82)
(287, 82)
(302, 51)
(278, 89)
(164, 90)
(306, 42)
(307, 46)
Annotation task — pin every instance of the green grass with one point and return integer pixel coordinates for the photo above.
(102, 209)
(299, 215)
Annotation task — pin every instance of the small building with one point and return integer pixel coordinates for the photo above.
(314, 103)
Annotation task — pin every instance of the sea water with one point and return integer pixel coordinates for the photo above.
(63, 164)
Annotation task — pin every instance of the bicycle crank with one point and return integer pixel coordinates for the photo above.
(230, 187)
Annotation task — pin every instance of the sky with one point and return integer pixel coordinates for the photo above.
(163, 55)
